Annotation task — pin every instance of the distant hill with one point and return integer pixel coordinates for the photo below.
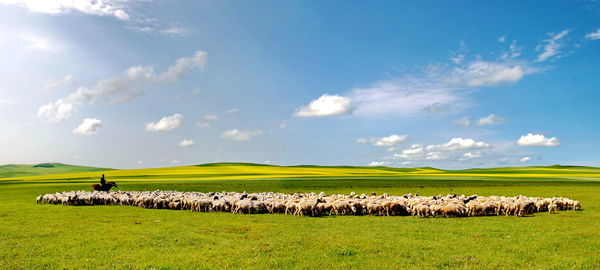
(222, 171)
(17, 170)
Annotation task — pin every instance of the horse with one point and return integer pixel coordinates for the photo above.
(106, 187)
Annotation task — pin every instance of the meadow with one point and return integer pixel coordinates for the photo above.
(108, 237)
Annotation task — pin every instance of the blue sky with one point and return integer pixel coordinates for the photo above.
(133, 84)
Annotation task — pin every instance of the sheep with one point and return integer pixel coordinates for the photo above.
(421, 210)
(454, 210)
(307, 208)
(313, 204)
(374, 208)
(576, 206)
(552, 208)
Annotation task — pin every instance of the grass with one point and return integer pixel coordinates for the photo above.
(20, 170)
(108, 237)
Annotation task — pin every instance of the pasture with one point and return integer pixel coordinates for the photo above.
(107, 237)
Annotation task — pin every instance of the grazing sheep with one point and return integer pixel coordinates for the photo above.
(576, 206)
(313, 204)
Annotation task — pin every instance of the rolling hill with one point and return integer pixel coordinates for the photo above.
(20, 170)
(63, 172)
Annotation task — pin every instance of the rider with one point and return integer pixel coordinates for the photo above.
(102, 181)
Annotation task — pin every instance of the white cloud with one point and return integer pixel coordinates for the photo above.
(128, 85)
(56, 7)
(117, 89)
(435, 156)
(89, 126)
(326, 105)
(552, 46)
(143, 29)
(166, 123)
(538, 140)
(174, 31)
(414, 149)
(183, 66)
(378, 163)
(186, 143)
(483, 73)
(440, 87)
(469, 156)
(167, 31)
(491, 120)
(67, 82)
(514, 52)
(437, 108)
(452, 149)
(140, 162)
(56, 111)
(390, 140)
(525, 159)
(232, 110)
(593, 35)
(465, 121)
(240, 135)
(406, 162)
(458, 144)
(502, 39)
(384, 141)
(176, 162)
(206, 121)
(402, 97)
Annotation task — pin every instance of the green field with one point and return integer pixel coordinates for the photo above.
(19, 170)
(108, 237)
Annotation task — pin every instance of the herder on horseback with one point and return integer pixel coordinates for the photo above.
(104, 186)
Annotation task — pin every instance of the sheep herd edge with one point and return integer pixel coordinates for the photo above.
(321, 204)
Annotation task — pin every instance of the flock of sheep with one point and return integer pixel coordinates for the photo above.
(313, 204)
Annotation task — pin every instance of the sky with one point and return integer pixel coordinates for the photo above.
(142, 83)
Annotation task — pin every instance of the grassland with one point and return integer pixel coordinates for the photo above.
(108, 237)
(20, 170)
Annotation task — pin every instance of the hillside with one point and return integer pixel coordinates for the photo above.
(215, 171)
(20, 170)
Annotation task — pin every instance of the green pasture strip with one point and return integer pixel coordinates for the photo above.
(78, 177)
(322, 184)
(473, 180)
(259, 171)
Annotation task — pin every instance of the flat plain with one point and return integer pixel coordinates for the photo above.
(107, 237)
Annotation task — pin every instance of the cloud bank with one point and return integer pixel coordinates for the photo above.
(57, 7)
(120, 88)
